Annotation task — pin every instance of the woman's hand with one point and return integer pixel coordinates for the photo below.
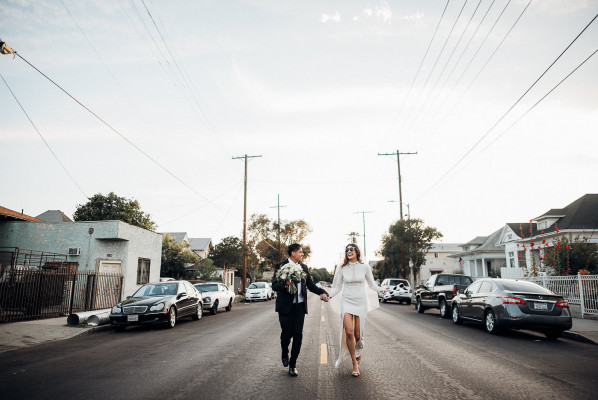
(288, 283)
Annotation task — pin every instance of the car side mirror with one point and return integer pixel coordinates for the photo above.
(128, 297)
(180, 295)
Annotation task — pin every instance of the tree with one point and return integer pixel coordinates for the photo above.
(176, 257)
(263, 238)
(206, 270)
(571, 254)
(320, 274)
(228, 253)
(113, 207)
(411, 237)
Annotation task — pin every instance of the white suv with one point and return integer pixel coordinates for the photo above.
(389, 285)
(216, 295)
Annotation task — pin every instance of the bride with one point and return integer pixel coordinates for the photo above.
(351, 278)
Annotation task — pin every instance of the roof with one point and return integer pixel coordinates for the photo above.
(10, 215)
(445, 247)
(200, 243)
(487, 246)
(54, 216)
(581, 214)
(178, 236)
(524, 228)
(478, 240)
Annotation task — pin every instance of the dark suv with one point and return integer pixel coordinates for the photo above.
(439, 291)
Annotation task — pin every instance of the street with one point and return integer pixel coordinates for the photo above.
(237, 355)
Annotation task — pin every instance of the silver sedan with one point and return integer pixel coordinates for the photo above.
(507, 303)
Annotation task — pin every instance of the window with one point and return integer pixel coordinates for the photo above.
(486, 287)
(510, 236)
(143, 271)
(473, 288)
(435, 255)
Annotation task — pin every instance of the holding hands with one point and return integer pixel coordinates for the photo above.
(324, 297)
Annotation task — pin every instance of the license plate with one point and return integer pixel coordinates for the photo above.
(540, 306)
(132, 318)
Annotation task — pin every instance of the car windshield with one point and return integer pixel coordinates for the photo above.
(258, 285)
(525, 287)
(207, 287)
(157, 289)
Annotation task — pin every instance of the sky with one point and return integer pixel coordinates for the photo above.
(317, 89)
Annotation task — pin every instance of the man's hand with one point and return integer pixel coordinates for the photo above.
(324, 297)
(288, 283)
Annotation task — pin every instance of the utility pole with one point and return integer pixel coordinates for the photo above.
(244, 275)
(279, 207)
(363, 213)
(398, 154)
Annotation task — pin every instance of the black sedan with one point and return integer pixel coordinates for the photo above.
(157, 303)
(508, 303)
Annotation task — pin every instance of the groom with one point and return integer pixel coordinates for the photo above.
(292, 308)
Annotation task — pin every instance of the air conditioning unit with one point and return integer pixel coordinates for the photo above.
(74, 251)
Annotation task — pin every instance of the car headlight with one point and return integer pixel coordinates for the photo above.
(116, 310)
(207, 299)
(157, 307)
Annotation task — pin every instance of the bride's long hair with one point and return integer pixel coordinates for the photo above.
(356, 250)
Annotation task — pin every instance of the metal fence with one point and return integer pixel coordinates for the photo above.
(33, 293)
(577, 289)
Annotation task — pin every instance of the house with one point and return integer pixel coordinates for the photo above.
(10, 215)
(101, 246)
(482, 256)
(525, 244)
(179, 237)
(54, 216)
(201, 246)
(438, 260)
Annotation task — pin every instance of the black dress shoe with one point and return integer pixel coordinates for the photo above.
(285, 362)
(293, 371)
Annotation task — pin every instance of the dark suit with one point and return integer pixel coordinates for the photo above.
(291, 315)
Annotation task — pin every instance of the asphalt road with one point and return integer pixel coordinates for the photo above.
(237, 355)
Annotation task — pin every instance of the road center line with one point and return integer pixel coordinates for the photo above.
(323, 318)
(323, 354)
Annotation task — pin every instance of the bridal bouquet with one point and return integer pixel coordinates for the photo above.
(291, 272)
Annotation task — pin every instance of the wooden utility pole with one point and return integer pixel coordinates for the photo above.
(244, 275)
(398, 154)
(363, 213)
(279, 207)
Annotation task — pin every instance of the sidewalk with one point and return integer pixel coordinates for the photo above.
(17, 335)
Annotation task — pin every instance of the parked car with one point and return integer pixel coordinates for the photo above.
(438, 292)
(507, 303)
(258, 291)
(388, 285)
(164, 279)
(401, 293)
(156, 303)
(216, 295)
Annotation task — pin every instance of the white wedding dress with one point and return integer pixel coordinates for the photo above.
(355, 299)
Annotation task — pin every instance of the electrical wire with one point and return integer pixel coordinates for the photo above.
(44, 140)
(509, 110)
(118, 133)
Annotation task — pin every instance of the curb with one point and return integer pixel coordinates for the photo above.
(577, 336)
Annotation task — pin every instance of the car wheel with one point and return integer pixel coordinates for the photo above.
(418, 306)
(198, 313)
(409, 302)
(444, 309)
(384, 300)
(457, 319)
(214, 308)
(230, 305)
(119, 328)
(490, 322)
(171, 317)
(553, 334)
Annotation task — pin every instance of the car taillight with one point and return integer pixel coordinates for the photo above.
(562, 303)
(512, 300)
(454, 290)
(410, 291)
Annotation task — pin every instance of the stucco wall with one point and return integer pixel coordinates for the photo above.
(109, 241)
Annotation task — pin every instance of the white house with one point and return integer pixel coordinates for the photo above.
(526, 244)
(438, 260)
(201, 246)
(483, 256)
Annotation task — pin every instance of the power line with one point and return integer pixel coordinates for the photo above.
(434, 66)
(117, 132)
(509, 110)
(43, 139)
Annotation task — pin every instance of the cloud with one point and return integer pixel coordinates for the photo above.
(335, 18)
(417, 15)
(381, 11)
